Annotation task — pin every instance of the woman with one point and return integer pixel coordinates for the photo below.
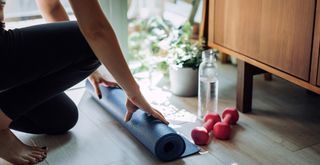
(48, 59)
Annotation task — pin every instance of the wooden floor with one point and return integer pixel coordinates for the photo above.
(284, 128)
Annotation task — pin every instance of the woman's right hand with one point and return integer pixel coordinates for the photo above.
(139, 101)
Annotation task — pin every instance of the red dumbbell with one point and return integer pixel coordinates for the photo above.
(222, 130)
(200, 135)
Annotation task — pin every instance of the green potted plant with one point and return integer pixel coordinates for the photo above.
(185, 58)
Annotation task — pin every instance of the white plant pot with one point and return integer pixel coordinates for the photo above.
(233, 60)
(183, 81)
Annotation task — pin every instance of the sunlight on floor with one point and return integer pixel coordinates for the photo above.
(159, 96)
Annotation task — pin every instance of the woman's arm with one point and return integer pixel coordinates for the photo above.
(2, 3)
(52, 10)
(102, 39)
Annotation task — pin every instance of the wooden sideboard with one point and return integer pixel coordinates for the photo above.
(277, 36)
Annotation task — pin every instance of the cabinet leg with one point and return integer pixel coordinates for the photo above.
(224, 58)
(244, 86)
(268, 76)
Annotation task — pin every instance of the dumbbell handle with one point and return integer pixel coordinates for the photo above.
(208, 125)
(227, 119)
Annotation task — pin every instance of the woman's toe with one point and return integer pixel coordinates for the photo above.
(43, 154)
(39, 157)
(40, 149)
(32, 160)
(21, 161)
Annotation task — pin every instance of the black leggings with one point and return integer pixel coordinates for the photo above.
(37, 64)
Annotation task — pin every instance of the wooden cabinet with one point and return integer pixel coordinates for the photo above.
(277, 36)
(318, 82)
(275, 32)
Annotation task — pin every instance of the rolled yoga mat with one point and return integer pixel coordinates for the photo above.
(158, 138)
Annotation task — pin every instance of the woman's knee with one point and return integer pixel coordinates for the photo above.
(57, 116)
(53, 124)
(64, 123)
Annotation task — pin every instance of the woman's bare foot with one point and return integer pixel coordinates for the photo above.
(14, 151)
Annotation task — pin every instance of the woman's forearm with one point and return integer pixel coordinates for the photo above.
(52, 10)
(2, 3)
(102, 39)
(106, 47)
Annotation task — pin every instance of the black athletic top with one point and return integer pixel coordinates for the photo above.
(1, 38)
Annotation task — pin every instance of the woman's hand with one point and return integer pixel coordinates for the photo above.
(131, 108)
(96, 78)
(137, 101)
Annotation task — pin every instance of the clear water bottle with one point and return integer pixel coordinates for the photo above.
(208, 84)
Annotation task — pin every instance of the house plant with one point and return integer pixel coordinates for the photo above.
(184, 58)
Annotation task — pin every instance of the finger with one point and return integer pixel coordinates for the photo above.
(159, 112)
(128, 116)
(97, 89)
(159, 116)
(162, 119)
(109, 83)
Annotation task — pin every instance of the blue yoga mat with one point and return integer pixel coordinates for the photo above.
(158, 138)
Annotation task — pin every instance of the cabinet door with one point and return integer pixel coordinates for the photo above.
(275, 32)
(318, 81)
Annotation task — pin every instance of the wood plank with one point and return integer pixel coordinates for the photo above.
(278, 33)
(316, 148)
(252, 148)
(282, 129)
(85, 144)
(310, 154)
(279, 117)
(279, 110)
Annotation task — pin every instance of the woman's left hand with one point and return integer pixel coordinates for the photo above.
(96, 78)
